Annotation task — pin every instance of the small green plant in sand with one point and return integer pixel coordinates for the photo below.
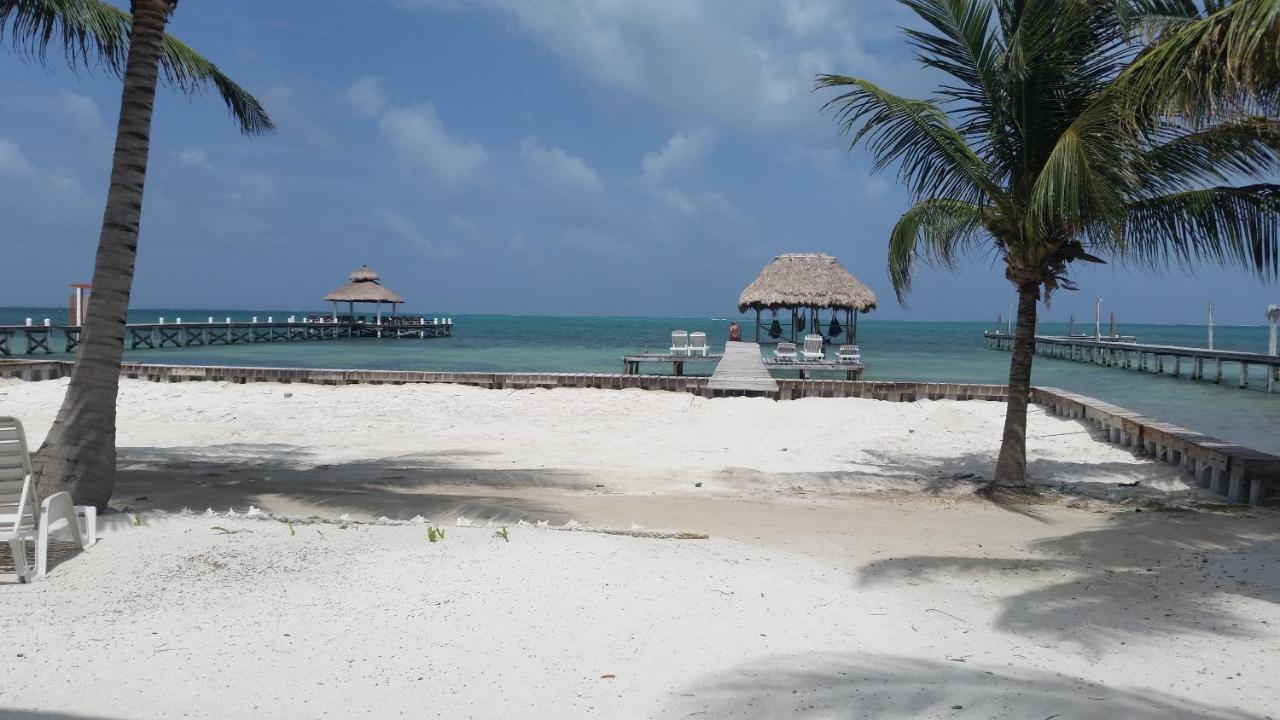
(435, 534)
(344, 525)
(289, 524)
(226, 531)
(503, 534)
(138, 521)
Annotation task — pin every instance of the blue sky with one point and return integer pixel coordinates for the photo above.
(560, 157)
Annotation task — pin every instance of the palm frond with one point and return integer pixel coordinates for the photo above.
(936, 231)
(93, 32)
(89, 32)
(1083, 181)
(932, 157)
(188, 71)
(1199, 64)
(962, 46)
(1219, 154)
(1229, 226)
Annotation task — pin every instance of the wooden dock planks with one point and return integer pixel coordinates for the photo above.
(741, 370)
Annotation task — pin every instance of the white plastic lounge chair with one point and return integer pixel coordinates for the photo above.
(19, 522)
(848, 354)
(785, 351)
(679, 342)
(698, 343)
(813, 348)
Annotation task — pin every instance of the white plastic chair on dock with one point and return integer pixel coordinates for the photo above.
(19, 522)
(698, 344)
(848, 354)
(785, 351)
(813, 349)
(679, 342)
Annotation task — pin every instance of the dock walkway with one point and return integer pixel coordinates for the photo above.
(742, 371)
(178, 334)
(1153, 358)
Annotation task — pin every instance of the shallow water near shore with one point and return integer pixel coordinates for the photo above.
(892, 350)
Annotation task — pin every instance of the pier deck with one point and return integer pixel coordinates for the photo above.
(852, 371)
(742, 371)
(631, 363)
(139, 336)
(1147, 357)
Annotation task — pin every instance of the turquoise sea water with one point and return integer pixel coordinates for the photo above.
(926, 351)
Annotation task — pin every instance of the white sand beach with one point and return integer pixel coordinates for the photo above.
(849, 570)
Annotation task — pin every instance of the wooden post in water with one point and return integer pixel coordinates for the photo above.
(1113, 325)
(1210, 324)
(1273, 315)
(1097, 320)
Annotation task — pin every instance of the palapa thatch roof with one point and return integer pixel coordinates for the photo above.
(363, 286)
(814, 280)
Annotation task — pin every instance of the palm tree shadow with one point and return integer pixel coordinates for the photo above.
(878, 687)
(442, 485)
(1142, 576)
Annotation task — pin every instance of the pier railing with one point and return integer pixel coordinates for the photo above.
(1201, 363)
(33, 338)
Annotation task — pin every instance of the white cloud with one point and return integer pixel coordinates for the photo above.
(683, 153)
(366, 95)
(294, 119)
(747, 64)
(596, 242)
(418, 136)
(408, 232)
(13, 163)
(559, 171)
(84, 113)
(196, 157)
(401, 227)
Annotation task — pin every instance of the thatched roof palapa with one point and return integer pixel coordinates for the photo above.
(363, 286)
(812, 280)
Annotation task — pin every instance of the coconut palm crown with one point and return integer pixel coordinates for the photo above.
(1078, 130)
(94, 33)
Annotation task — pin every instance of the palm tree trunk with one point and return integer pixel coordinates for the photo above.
(1011, 467)
(79, 455)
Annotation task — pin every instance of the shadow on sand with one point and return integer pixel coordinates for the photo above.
(285, 479)
(878, 687)
(1144, 575)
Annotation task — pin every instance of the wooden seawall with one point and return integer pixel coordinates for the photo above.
(1238, 473)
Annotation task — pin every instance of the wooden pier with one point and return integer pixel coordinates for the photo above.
(1143, 357)
(631, 363)
(852, 371)
(742, 372)
(140, 336)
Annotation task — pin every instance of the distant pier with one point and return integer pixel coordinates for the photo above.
(32, 339)
(1126, 352)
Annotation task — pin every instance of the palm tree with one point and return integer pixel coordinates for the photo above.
(1069, 130)
(79, 454)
